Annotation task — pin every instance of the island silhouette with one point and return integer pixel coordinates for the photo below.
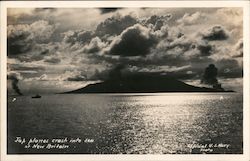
(139, 83)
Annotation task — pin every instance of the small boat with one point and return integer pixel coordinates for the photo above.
(36, 96)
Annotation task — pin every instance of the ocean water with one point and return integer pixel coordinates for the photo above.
(160, 123)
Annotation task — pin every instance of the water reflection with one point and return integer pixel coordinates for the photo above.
(131, 123)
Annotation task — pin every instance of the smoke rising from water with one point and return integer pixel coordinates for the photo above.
(210, 75)
(14, 83)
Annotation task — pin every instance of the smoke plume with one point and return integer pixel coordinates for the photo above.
(210, 75)
(116, 72)
(14, 83)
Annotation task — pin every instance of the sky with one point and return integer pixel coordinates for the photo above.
(54, 50)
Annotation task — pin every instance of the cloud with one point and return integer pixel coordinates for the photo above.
(216, 33)
(163, 69)
(24, 38)
(231, 17)
(95, 45)
(42, 77)
(36, 53)
(190, 19)
(72, 37)
(74, 75)
(182, 43)
(25, 67)
(157, 21)
(18, 41)
(134, 41)
(205, 49)
(229, 68)
(52, 60)
(238, 49)
(41, 31)
(115, 25)
(91, 72)
(79, 45)
(68, 18)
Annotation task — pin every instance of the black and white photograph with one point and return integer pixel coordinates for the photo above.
(124, 80)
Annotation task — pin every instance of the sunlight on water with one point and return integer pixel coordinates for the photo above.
(159, 123)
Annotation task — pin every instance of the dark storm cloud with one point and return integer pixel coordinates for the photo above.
(172, 53)
(125, 44)
(127, 66)
(115, 25)
(36, 53)
(14, 82)
(108, 10)
(146, 44)
(24, 38)
(216, 33)
(205, 49)
(134, 41)
(18, 43)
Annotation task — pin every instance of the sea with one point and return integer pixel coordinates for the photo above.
(141, 123)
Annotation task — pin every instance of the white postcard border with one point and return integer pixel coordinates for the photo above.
(161, 4)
